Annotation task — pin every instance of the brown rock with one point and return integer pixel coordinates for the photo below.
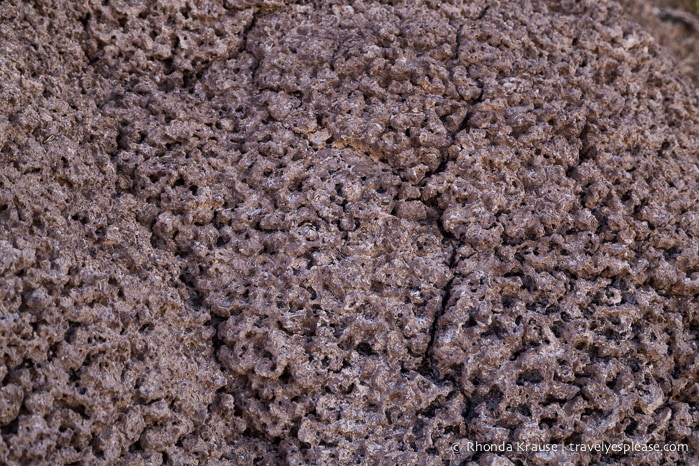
(269, 232)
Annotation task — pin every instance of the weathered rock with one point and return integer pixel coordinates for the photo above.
(271, 232)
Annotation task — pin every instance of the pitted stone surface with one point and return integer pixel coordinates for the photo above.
(268, 232)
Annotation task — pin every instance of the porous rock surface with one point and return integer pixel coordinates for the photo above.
(675, 25)
(265, 232)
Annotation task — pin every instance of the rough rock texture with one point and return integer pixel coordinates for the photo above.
(267, 233)
(675, 25)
